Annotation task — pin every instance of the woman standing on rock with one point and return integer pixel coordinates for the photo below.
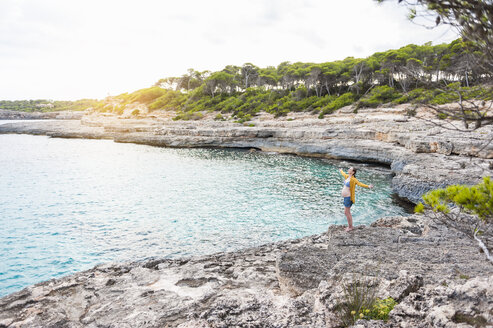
(348, 193)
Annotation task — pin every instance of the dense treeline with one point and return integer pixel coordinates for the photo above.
(406, 74)
(43, 105)
(435, 74)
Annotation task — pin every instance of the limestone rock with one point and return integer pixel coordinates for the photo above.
(459, 303)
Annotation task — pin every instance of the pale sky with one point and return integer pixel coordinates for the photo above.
(72, 49)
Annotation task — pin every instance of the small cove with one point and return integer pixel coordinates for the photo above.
(68, 204)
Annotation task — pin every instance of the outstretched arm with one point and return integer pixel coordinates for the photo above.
(363, 185)
(343, 174)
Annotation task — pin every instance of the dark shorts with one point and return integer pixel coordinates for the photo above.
(348, 202)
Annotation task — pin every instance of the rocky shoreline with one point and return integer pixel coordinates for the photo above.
(437, 274)
(18, 115)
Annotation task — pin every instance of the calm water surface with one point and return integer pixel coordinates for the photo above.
(68, 204)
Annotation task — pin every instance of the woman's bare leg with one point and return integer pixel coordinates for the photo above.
(347, 211)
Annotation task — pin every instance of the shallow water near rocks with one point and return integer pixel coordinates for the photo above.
(69, 204)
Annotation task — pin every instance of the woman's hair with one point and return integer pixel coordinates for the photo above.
(354, 172)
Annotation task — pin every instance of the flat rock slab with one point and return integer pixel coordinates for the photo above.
(429, 250)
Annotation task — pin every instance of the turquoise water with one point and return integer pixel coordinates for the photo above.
(69, 204)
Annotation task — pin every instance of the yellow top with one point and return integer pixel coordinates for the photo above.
(352, 185)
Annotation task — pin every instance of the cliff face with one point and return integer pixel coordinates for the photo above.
(422, 155)
(436, 274)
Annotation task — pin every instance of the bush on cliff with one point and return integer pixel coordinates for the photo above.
(452, 92)
(253, 101)
(145, 96)
(476, 199)
(379, 95)
(188, 116)
(170, 100)
(341, 101)
(411, 96)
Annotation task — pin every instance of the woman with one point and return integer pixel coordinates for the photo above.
(348, 193)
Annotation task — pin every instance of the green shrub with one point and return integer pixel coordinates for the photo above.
(119, 109)
(187, 116)
(420, 208)
(135, 112)
(123, 97)
(476, 200)
(377, 96)
(306, 104)
(282, 112)
(441, 98)
(244, 118)
(300, 93)
(379, 310)
(401, 100)
(451, 93)
(411, 96)
(229, 104)
(170, 100)
(343, 100)
(145, 96)
(358, 296)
